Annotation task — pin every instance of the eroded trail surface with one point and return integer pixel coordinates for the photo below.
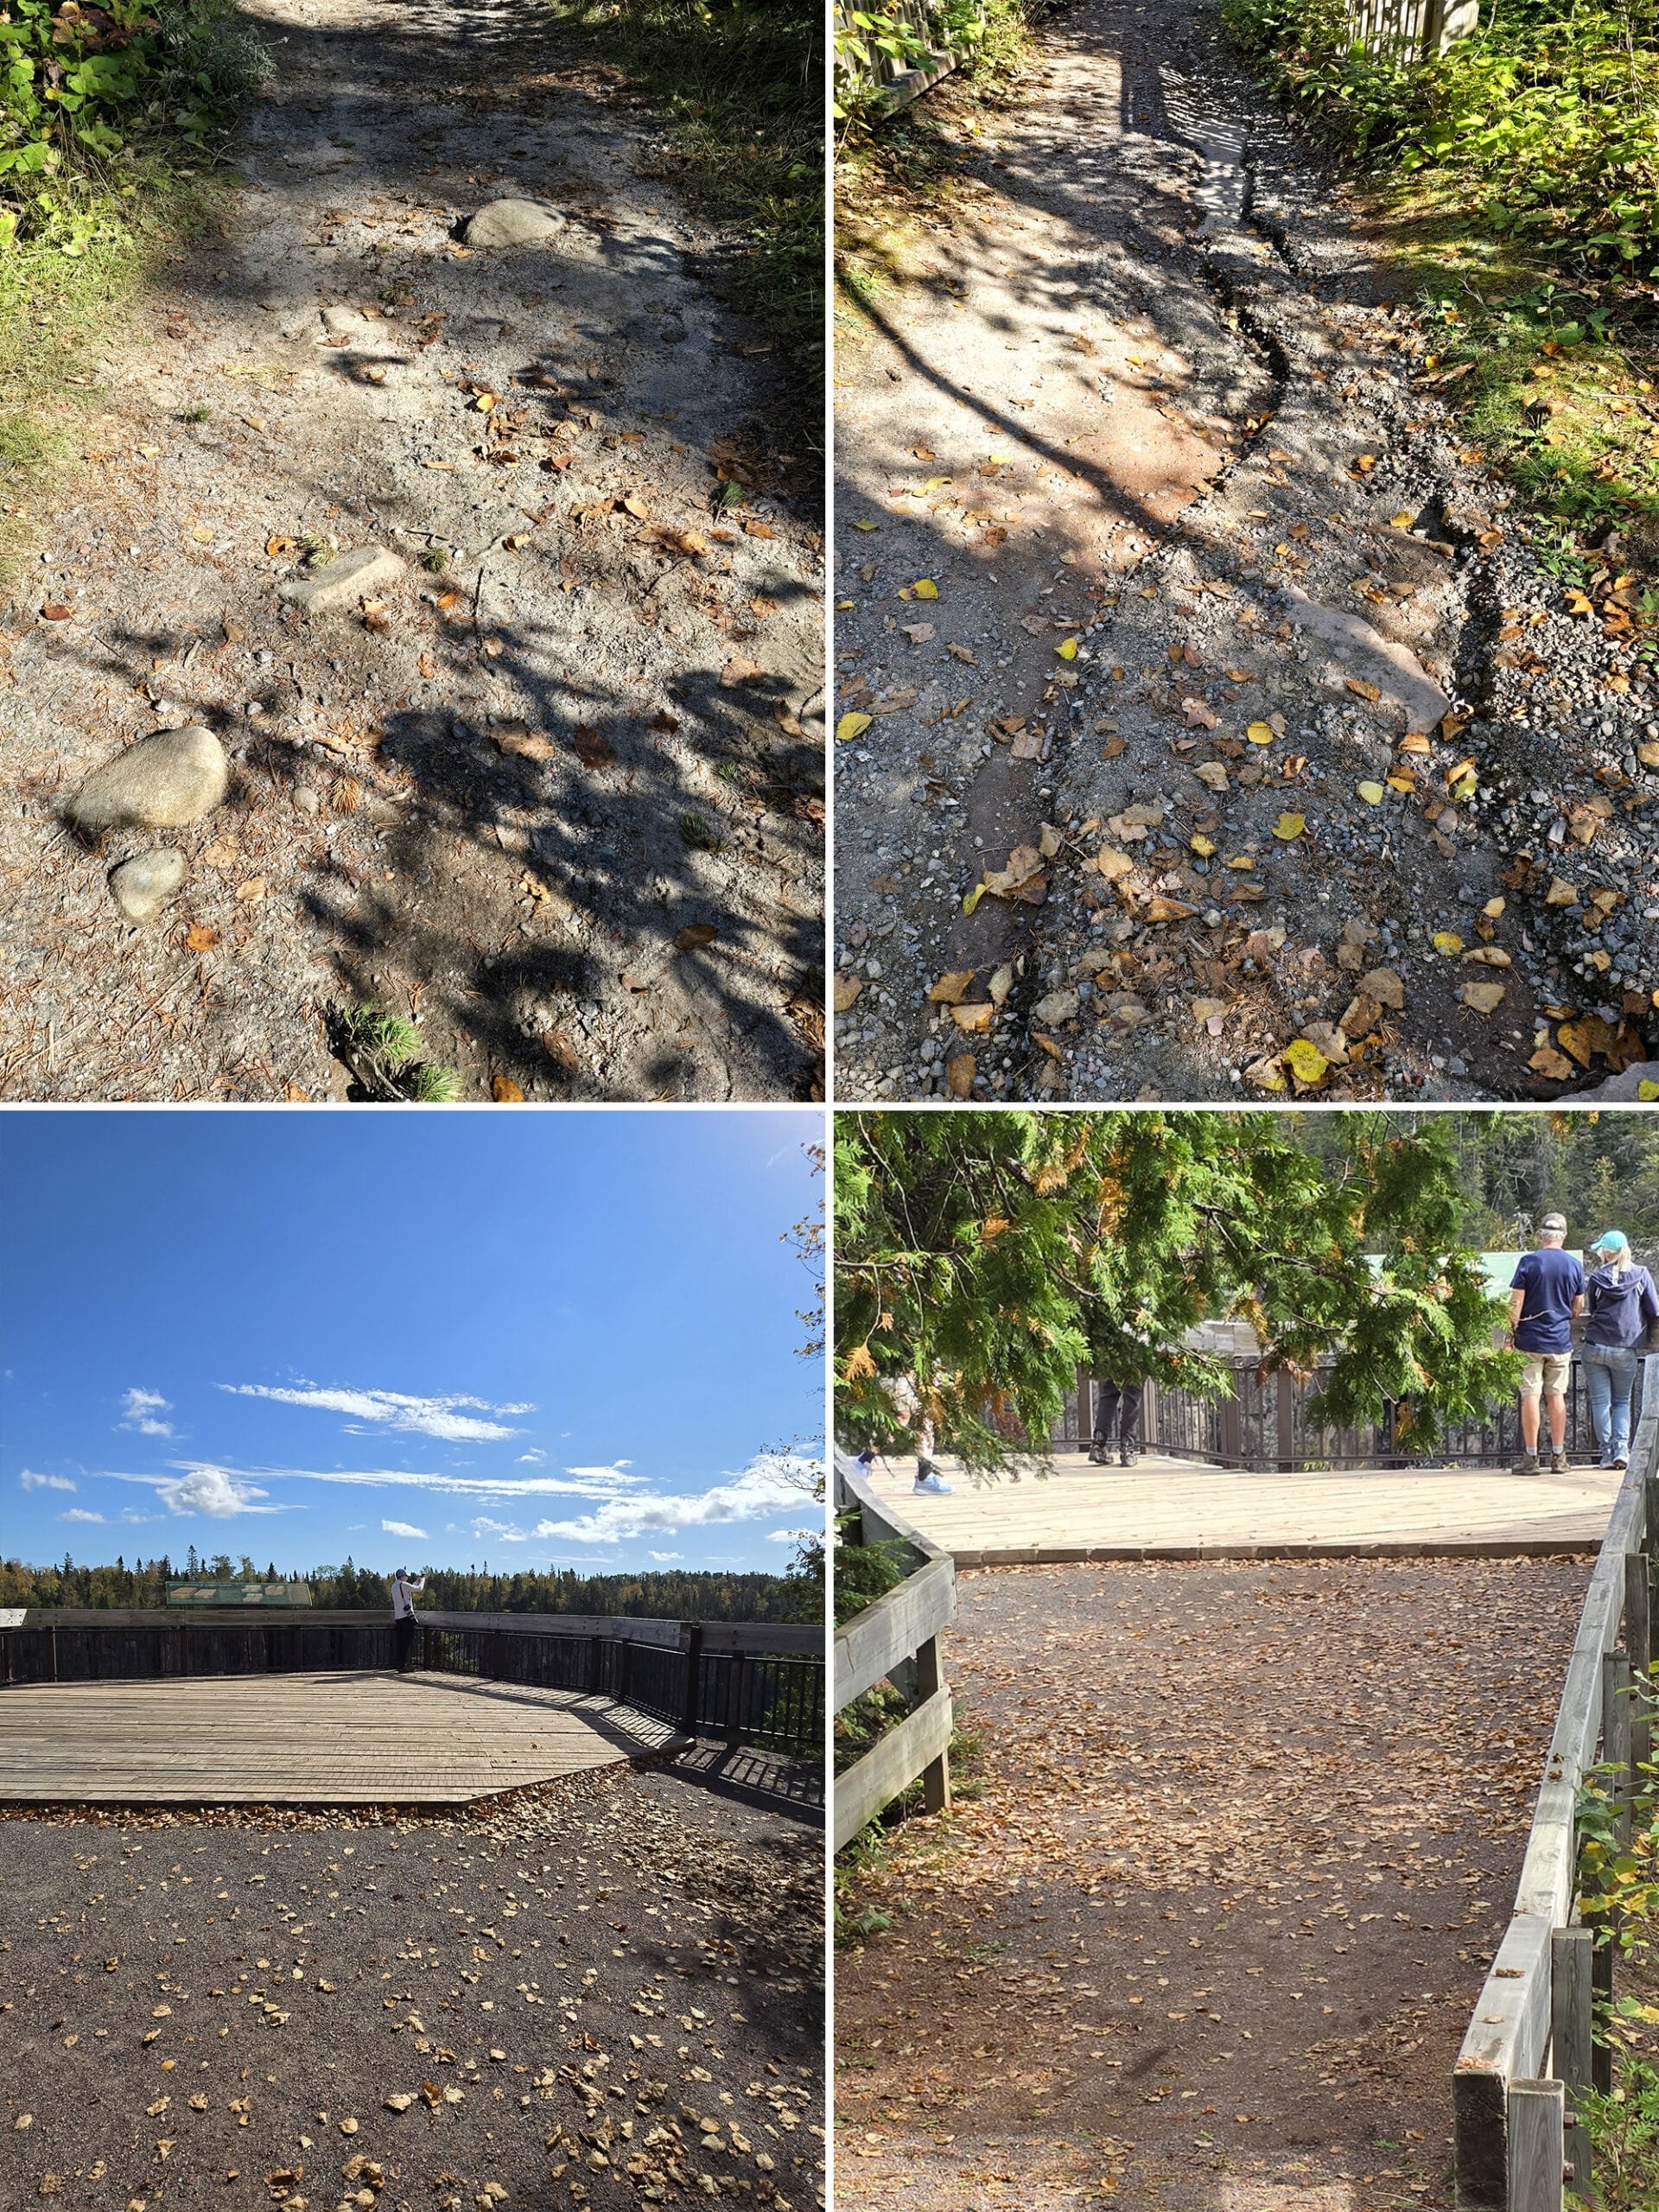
(558, 795)
(1210, 1939)
(1242, 688)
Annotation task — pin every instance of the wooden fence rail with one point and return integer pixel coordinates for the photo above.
(896, 1635)
(893, 83)
(756, 1682)
(1529, 2050)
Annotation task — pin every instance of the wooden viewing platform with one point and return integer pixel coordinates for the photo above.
(1178, 1509)
(337, 1739)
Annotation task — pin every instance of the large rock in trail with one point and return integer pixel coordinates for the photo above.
(494, 776)
(1239, 684)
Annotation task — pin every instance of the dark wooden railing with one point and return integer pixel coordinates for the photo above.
(1263, 1427)
(750, 1683)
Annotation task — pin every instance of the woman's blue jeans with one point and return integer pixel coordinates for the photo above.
(1609, 1375)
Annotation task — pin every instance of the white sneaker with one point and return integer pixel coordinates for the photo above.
(932, 1484)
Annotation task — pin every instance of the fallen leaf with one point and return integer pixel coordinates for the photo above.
(959, 1073)
(593, 750)
(1447, 941)
(1361, 690)
(1485, 998)
(1561, 894)
(1260, 733)
(1305, 1061)
(926, 588)
(56, 612)
(852, 726)
(1546, 1061)
(1371, 793)
(975, 1019)
(1067, 649)
(847, 990)
(696, 934)
(1213, 772)
(740, 669)
(524, 744)
(251, 892)
(951, 989)
(199, 937)
(1383, 985)
(1289, 827)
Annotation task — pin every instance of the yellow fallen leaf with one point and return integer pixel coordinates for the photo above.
(506, 1092)
(1246, 860)
(951, 989)
(1259, 734)
(1202, 847)
(867, 525)
(926, 588)
(1067, 649)
(1371, 793)
(1647, 1090)
(1447, 941)
(973, 1019)
(1485, 998)
(847, 990)
(1289, 827)
(1305, 1061)
(852, 726)
(1403, 522)
(972, 898)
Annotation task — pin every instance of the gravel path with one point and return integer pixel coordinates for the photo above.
(1210, 1938)
(1211, 566)
(562, 801)
(603, 1992)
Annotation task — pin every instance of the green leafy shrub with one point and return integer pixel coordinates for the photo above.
(1547, 116)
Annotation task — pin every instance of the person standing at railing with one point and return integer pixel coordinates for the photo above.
(1545, 1291)
(402, 1617)
(1623, 1306)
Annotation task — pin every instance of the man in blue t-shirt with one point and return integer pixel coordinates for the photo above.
(1545, 1292)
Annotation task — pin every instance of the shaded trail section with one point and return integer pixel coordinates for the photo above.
(554, 787)
(1235, 645)
(1208, 1937)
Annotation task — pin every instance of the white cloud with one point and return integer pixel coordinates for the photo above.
(141, 1520)
(212, 1492)
(393, 1409)
(402, 1529)
(80, 1512)
(760, 1492)
(531, 1459)
(599, 1482)
(791, 1535)
(662, 1557)
(139, 1412)
(30, 1480)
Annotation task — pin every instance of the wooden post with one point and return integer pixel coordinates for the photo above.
(1285, 1411)
(691, 1706)
(930, 1680)
(1085, 1407)
(1572, 1956)
(1601, 1978)
(1638, 1643)
(1615, 1734)
(52, 1646)
(1537, 2157)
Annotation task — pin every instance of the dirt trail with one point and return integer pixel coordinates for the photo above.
(1148, 394)
(1209, 1939)
(497, 797)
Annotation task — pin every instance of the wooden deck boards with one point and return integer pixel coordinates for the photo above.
(304, 1739)
(1175, 1508)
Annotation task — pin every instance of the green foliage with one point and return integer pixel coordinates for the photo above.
(1624, 2130)
(385, 1050)
(1547, 119)
(672, 1594)
(865, 1572)
(981, 1258)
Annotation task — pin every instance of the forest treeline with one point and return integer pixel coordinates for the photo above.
(666, 1595)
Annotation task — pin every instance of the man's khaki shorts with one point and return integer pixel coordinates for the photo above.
(1545, 1370)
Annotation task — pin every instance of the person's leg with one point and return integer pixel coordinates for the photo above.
(1598, 1388)
(1555, 1375)
(1531, 1384)
(1129, 1431)
(1622, 1374)
(1108, 1399)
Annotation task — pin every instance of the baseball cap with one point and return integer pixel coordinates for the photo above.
(1555, 1222)
(1610, 1240)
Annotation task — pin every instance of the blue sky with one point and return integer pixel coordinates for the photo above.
(412, 1336)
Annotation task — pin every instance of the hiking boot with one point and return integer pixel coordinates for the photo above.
(1558, 1463)
(1097, 1457)
(1528, 1463)
(1126, 1455)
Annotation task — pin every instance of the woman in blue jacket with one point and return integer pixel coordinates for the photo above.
(1622, 1305)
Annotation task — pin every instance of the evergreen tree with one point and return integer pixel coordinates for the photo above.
(981, 1258)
